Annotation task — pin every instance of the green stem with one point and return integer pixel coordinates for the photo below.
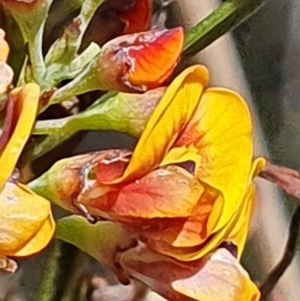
(36, 56)
(51, 272)
(225, 18)
(69, 44)
(87, 81)
(108, 115)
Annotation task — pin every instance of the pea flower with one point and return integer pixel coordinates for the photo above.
(26, 222)
(130, 63)
(187, 186)
(218, 276)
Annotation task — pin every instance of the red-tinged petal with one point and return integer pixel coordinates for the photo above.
(140, 61)
(137, 17)
(171, 115)
(118, 17)
(217, 277)
(74, 179)
(222, 132)
(169, 192)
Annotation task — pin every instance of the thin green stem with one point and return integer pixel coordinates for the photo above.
(87, 81)
(51, 272)
(36, 56)
(225, 18)
(68, 45)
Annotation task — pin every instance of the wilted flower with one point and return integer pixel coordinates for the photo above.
(187, 187)
(140, 61)
(216, 277)
(26, 225)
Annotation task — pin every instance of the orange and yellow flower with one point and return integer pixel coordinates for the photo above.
(187, 187)
(26, 222)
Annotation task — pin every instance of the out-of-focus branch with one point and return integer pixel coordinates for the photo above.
(287, 180)
(272, 279)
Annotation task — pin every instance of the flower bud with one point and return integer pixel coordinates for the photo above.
(140, 61)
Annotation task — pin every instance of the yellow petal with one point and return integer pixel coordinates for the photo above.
(26, 109)
(26, 222)
(222, 132)
(172, 114)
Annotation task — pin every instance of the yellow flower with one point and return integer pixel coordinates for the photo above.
(26, 222)
(187, 186)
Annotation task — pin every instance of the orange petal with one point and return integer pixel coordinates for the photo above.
(171, 115)
(169, 192)
(151, 66)
(222, 132)
(235, 231)
(26, 224)
(27, 100)
(140, 61)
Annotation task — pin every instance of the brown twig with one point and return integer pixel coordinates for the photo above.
(287, 180)
(272, 279)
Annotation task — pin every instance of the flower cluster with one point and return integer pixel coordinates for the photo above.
(179, 205)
